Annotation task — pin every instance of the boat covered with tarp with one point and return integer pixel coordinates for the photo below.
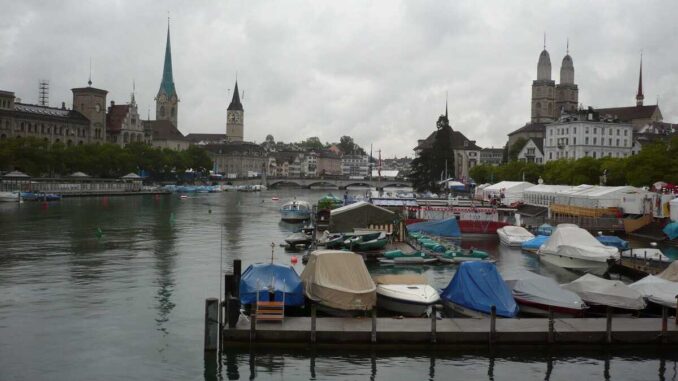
(535, 243)
(513, 236)
(339, 282)
(613, 241)
(475, 288)
(612, 293)
(440, 228)
(670, 273)
(574, 248)
(657, 290)
(544, 229)
(671, 230)
(537, 295)
(271, 282)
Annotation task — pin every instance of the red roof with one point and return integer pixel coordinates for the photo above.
(115, 117)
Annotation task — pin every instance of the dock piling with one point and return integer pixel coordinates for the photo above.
(665, 316)
(211, 324)
(551, 336)
(433, 324)
(608, 329)
(237, 273)
(676, 309)
(374, 326)
(253, 326)
(313, 315)
(233, 307)
(493, 324)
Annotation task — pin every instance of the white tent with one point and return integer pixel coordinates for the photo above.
(508, 191)
(543, 194)
(631, 199)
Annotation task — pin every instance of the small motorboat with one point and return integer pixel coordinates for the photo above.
(596, 291)
(459, 255)
(407, 295)
(646, 254)
(271, 282)
(274, 198)
(534, 244)
(299, 238)
(9, 196)
(544, 229)
(295, 211)
(573, 248)
(613, 241)
(475, 288)
(539, 295)
(657, 290)
(332, 240)
(513, 236)
(367, 242)
(36, 196)
(338, 281)
(397, 257)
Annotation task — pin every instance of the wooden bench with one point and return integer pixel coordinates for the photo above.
(270, 311)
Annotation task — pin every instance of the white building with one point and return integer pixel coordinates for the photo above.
(532, 152)
(586, 135)
(355, 165)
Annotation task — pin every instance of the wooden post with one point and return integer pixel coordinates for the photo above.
(374, 325)
(608, 330)
(676, 309)
(313, 313)
(665, 316)
(237, 272)
(228, 285)
(233, 304)
(493, 322)
(211, 324)
(433, 324)
(551, 335)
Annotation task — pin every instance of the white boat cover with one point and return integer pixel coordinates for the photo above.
(537, 288)
(646, 253)
(670, 273)
(573, 241)
(517, 232)
(613, 293)
(657, 290)
(339, 279)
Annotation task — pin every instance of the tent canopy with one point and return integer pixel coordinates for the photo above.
(265, 278)
(79, 175)
(359, 215)
(131, 176)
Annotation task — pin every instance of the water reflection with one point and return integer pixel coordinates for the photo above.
(164, 236)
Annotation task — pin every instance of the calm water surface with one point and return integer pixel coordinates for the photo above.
(128, 303)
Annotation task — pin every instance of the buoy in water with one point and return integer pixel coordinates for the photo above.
(294, 260)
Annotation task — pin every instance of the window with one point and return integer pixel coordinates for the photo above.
(586, 130)
(594, 140)
(574, 140)
(602, 131)
(594, 154)
(551, 142)
(626, 132)
(610, 142)
(586, 153)
(574, 130)
(625, 145)
(617, 132)
(617, 141)
(550, 155)
(595, 130)
(586, 140)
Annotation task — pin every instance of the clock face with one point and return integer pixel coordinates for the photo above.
(231, 117)
(163, 98)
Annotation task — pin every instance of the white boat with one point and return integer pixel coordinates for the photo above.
(572, 247)
(646, 253)
(657, 290)
(407, 295)
(513, 236)
(295, 211)
(537, 295)
(612, 293)
(9, 196)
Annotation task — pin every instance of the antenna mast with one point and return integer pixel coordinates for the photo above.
(43, 94)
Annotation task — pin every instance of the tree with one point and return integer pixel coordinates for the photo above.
(434, 160)
(312, 143)
(515, 148)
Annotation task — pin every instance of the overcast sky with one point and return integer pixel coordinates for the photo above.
(375, 70)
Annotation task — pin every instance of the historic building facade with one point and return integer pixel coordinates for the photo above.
(124, 126)
(235, 122)
(238, 159)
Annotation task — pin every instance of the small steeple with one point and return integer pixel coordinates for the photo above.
(639, 96)
(133, 101)
(446, 117)
(235, 102)
(89, 81)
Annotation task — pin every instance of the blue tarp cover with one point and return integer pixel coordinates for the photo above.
(440, 228)
(545, 229)
(671, 230)
(283, 279)
(534, 243)
(478, 286)
(614, 241)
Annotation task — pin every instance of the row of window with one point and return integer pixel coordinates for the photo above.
(566, 141)
(4, 103)
(593, 154)
(566, 131)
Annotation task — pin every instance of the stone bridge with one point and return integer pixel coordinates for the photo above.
(308, 182)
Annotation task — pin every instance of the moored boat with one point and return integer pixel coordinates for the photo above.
(573, 248)
(534, 244)
(271, 282)
(513, 236)
(332, 240)
(299, 238)
(613, 241)
(459, 255)
(295, 211)
(367, 242)
(596, 291)
(657, 290)
(9, 196)
(339, 282)
(398, 257)
(539, 295)
(407, 295)
(475, 288)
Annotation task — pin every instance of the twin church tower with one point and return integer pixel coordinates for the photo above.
(548, 99)
(167, 101)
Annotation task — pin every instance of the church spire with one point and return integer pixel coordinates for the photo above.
(639, 96)
(235, 102)
(446, 117)
(167, 83)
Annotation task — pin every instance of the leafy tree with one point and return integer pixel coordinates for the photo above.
(430, 166)
(515, 148)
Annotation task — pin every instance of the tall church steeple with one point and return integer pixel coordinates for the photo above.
(639, 96)
(166, 102)
(543, 90)
(235, 115)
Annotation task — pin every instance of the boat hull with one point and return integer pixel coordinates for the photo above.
(408, 261)
(453, 309)
(294, 216)
(570, 263)
(538, 309)
(402, 307)
(460, 259)
(9, 196)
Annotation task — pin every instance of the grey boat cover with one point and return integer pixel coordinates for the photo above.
(536, 288)
(670, 273)
(339, 279)
(657, 290)
(613, 293)
(573, 241)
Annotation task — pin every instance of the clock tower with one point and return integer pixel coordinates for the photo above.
(234, 118)
(167, 101)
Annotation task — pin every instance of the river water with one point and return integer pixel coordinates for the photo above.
(114, 288)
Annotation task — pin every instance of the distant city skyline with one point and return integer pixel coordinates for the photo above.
(378, 72)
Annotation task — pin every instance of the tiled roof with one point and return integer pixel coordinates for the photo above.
(195, 138)
(115, 117)
(163, 130)
(49, 112)
(530, 127)
(626, 114)
(458, 141)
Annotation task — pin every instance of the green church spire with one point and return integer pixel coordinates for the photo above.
(167, 83)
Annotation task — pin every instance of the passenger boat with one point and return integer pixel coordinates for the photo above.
(539, 295)
(398, 257)
(271, 282)
(459, 255)
(35, 196)
(513, 236)
(596, 291)
(573, 248)
(338, 281)
(471, 219)
(295, 211)
(367, 242)
(9, 196)
(656, 290)
(407, 295)
(475, 288)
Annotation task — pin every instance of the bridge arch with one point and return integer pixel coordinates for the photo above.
(323, 184)
(283, 183)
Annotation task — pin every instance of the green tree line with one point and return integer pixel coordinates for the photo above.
(655, 162)
(39, 158)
